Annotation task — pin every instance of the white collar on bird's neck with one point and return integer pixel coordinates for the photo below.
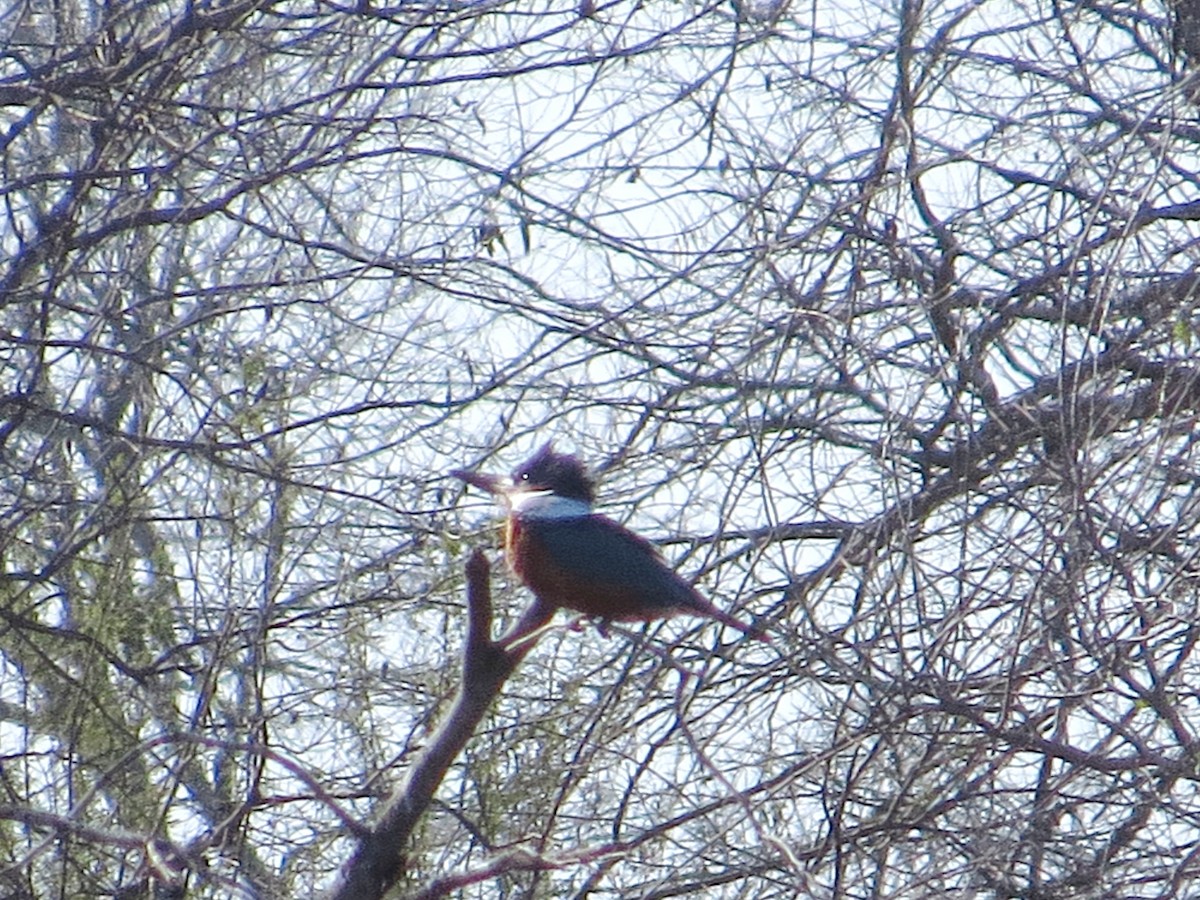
(547, 505)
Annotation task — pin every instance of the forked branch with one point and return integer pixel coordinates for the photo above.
(378, 861)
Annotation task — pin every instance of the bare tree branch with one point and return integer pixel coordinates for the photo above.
(378, 861)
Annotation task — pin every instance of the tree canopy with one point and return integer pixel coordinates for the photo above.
(880, 319)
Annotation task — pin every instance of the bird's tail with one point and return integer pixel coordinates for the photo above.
(707, 609)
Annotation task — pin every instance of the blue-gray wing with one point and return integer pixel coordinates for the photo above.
(596, 549)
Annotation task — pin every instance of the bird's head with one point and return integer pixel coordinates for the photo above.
(546, 474)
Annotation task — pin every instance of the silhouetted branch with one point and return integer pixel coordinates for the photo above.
(378, 862)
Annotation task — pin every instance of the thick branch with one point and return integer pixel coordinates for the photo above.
(378, 862)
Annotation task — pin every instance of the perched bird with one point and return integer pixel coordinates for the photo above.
(570, 556)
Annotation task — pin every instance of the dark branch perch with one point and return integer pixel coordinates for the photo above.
(378, 861)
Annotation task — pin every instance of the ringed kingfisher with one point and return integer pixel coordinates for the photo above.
(570, 556)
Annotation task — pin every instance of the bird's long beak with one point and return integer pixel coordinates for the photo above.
(493, 484)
